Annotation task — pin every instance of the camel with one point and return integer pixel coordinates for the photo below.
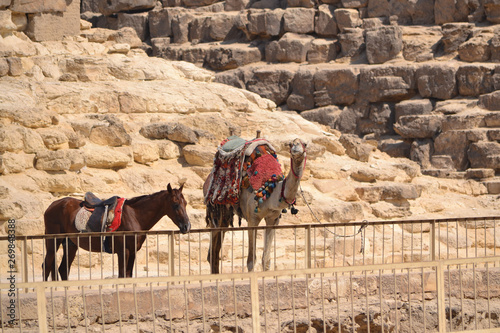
(283, 196)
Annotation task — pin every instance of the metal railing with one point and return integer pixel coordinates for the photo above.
(449, 295)
(169, 253)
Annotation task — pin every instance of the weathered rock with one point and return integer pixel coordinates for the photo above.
(463, 121)
(106, 158)
(492, 11)
(339, 188)
(15, 163)
(356, 148)
(437, 81)
(266, 23)
(108, 8)
(17, 46)
(232, 56)
(53, 139)
(6, 24)
(484, 155)
(332, 145)
(421, 152)
(326, 115)
(16, 138)
(380, 120)
(490, 101)
(387, 210)
(394, 147)
(495, 48)
(160, 22)
(290, 48)
(325, 23)
(173, 131)
(412, 107)
(475, 80)
(299, 20)
(302, 94)
(455, 145)
(451, 11)
(387, 83)
(492, 119)
(273, 83)
(347, 18)
(52, 161)
(337, 86)
(352, 42)
(455, 34)
(322, 50)
(50, 6)
(383, 44)
(479, 173)
(169, 150)
(126, 35)
(114, 134)
(198, 155)
(388, 192)
(136, 21)
(145, 152)
(421, 127)
(420, 44)
(476, 49)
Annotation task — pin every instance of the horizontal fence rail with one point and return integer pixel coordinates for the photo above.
(169, 253)
(448, 295)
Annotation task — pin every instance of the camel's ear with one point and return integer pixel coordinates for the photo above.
(169, 188)
(290, 144)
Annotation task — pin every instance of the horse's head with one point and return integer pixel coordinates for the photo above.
(177, 209)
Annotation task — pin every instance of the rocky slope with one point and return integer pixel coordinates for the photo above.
(82, 116)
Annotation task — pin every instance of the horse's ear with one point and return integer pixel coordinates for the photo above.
(169, 188)
(182, 186)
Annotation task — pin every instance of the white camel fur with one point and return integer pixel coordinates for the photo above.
(270, 210)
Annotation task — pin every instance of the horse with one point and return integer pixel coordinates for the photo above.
(138, 213)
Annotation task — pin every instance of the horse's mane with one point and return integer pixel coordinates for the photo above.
(135, 200)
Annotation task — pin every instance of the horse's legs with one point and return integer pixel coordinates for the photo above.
(69, 253)
(130, 263)
(49, 264)
(268, 242)
(121, 264)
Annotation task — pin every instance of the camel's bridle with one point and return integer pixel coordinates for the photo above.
(295, 175)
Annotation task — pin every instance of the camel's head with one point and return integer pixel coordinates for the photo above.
(297, 149)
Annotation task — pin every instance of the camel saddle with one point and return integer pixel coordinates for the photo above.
(102, 211)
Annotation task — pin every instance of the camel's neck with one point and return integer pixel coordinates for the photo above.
(293, 178)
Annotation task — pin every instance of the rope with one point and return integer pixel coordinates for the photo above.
(360, 230)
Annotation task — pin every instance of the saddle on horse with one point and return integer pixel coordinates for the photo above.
(99, 215)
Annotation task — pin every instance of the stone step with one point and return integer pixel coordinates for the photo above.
(493, 185)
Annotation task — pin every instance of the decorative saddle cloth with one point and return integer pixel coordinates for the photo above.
(96, 215)
(240, 163)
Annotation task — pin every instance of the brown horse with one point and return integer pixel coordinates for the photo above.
(139, 213)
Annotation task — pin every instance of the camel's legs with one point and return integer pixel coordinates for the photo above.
(268, 242)
(213, 256)
(252, 245)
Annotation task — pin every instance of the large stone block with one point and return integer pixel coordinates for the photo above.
(463, 121)
(335, 85)
(232, 56)
(418, 127)
(388, 192)
(387, 83)
(266, 23)
(160, 21)
(476, 49)
(302, 96)
(272, 82)
(37, 7)
(173, 131)
(54, 26)
(475, 80)
(484, 155)
(6, 24)
(108, 8)
(352, 42)
(347, 18)
(325, 22)
(383, 44)
(290, 48)
(446, 11)
(455, 145)
(380, 120)
(136, 21)
(490, 101)
(492, 11)
(437, 81)
(413, 107)
(299, 20)
(455, 34)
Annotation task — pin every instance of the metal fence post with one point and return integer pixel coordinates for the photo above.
(42, 308)
(308, 251)
(171, 256)
(25, 261)
(254, 298)
(433, 240)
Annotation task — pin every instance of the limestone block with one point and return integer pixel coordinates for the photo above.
(412, 107)
(475, 80)
(388, 192)
(383, 44)
(476, 49)
(27, 116)
(53, 138)
(290, 48)
(347, 18)
(335, 86)
(446, 11)
(394, 147)
(4, 67)
(340, 189)
(371, 174)
(266, 23)
(477, 134)
(48, 26)
(379, 8)
(495, 48)
(5, 3)
(352, 42)
(325, 23)
(90, 6)
(480, 173)
(180, 27)
(60, 182)
(231, 56)
(356, 148)
(421, 151)
(15, 163)
(484, 155)
(6, 24)
(463, 121)
(493, 187)
(17, 45)
(105, 157)
(169, 150)
(10, 209)
(199, 155)
(97, 35)
(322, 50)
(420, 44)
(16, 138)
(300, 3)
(492, 11)
(137, 21)
(52, 161)
(160, 21)
(492, 119)
(198, 3)
(32, 7)
(173, 131)
(421, 127)
(331, 144)
(494, 135)
(437, 81)
(387, 83)
(220, 25)
(114, 134)
(389, 210)
(490, 101)
(299, 20)
(145, 152)
(272, 82)
(236, 5)
(119, 48)
(455, 34)
(326, 115)
(114, 7)
(379, 121)
(302, 96)
(126, 35)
